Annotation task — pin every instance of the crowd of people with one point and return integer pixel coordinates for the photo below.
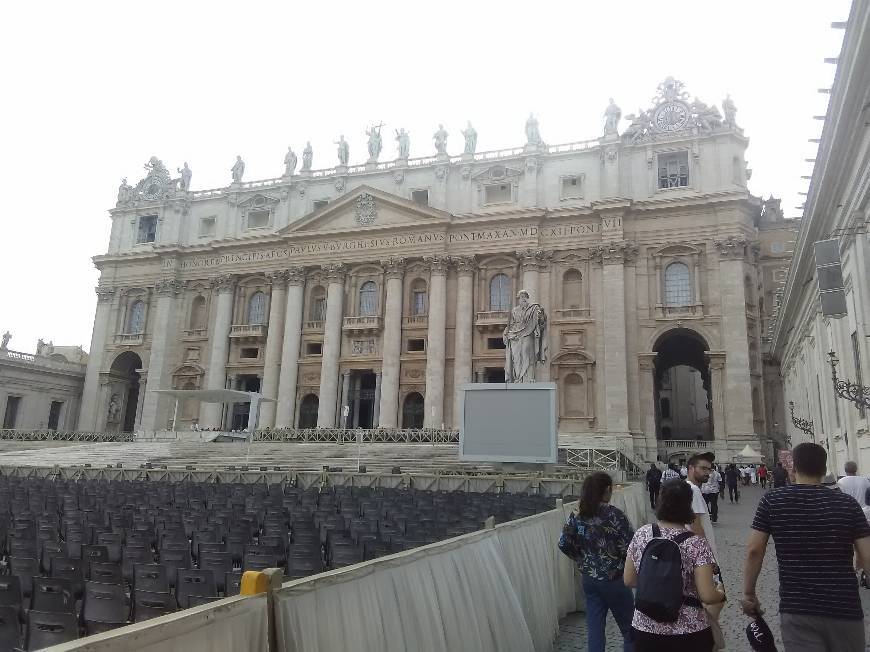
(663, 584)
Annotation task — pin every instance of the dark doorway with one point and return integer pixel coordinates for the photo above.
(308, 411)
(124, 392)
(493, 375)
(683, 396)
(241, 411)
(412, 411)
(361, 401)
(54, 414)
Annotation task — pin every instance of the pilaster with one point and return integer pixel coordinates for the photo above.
(274, 341)
(436, 347)
(334, 274)
(89, 413)
(388, 403)
(225, 287)
(465, 267)
(289, 372)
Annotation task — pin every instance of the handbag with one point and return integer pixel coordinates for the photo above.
(571, 541)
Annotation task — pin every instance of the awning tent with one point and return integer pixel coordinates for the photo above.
(747, 454)
(228, 396)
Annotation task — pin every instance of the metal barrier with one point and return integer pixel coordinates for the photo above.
(373, 436)
(58, 435)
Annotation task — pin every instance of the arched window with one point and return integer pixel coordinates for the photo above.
(257, 308)
(136, 319)
(368, 299)
(308, 411)
(678, 289)
(574, 396)
(317, 309)
(571, 283)
(500, 292)
(197, 313)
(665, 408)
(412, 411)
(419, 299)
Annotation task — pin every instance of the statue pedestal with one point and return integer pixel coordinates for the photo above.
(371, 164)
(442, 158)
(341, 169)
(467, 157)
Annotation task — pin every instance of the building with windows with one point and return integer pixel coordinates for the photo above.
(837, 207)
(364, 295)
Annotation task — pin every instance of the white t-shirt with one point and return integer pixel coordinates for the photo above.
(856, 486)
(699, 507)
(713, 483)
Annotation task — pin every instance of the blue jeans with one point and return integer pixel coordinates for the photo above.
(602, 595)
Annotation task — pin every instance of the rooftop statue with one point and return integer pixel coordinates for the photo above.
(125, 192)
(440, 137)
(289, 162)
(404, 140)
(307, 157)
(533, 133)
(706, 117)
(186, 174)
(525, 338)
(4, 344)
(238, 169)
(669, 90)
(343, 151)
(612, 115)
(156, 184)
(470, 139)
(730, 112)
(375, 143)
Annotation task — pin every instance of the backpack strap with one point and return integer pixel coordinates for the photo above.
(683, 536)
(656, 531)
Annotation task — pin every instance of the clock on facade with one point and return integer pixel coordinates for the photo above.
(671, 116)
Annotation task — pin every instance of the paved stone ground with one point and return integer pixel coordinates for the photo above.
(731, 533)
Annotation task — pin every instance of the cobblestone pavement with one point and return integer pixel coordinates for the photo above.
(731, 534)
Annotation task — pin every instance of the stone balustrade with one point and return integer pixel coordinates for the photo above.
(364, 324)
(248, 330)
(491, 319)
(129, 339)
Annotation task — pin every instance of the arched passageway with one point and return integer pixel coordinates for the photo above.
(683, 398)
(123, 394)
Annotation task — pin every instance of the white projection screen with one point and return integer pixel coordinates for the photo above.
(508, 423)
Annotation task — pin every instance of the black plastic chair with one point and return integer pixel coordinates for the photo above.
(52, 594)
(150, 577)
(69, 569)
(10, 628)
(132, 555)
(51, 549)
(106, 572)
(94, 553)
(47, 629)
(220, 563)
(104, 607)
(197, 600)
(193, 582)
(10, 591)
(151, 604)
(254, 562)
(233, 583)
(175, 560)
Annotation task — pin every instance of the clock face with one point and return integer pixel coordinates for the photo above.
(671, 117)
(152, 190)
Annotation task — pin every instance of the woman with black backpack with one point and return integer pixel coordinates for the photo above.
(672, 569)
(597, 539)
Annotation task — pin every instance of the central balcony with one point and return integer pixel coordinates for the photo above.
(130, 339)
(248, 330)
(366, 324)
(415, 321)
(492, 320)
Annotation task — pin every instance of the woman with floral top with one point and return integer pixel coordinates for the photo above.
(691, 632)
(605, 534)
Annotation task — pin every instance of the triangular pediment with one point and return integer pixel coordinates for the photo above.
(367, 208)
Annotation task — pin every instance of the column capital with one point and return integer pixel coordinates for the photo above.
(731, 248)
(104, 294)
(613, 253)
(277, 279)
(295, 275)
(465, 265)
(224, 284)
(716, 360)
(437, 264)
(334, 272)
(169, 287)
(394, 267)
(533, 259)
(647, 361)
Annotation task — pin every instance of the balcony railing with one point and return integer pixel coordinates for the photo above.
(680, 312)
(492, 319)
(195, 333)
(415, 321)
(684, 444)
(313, 326)
(129, 339)
(368, 323)
(248, 330)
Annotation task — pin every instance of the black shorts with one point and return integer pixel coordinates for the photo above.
(647, 642)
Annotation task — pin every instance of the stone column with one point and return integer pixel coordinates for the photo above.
(163, 332)
(376, 415)
(717, 398)
(388, 406)
(334, 275)
(89, 415)
(463, 333)
(738, 380)
(435, 344)
(648, 405)
(274, 340)
(343, 421)
(530, 262)
(215, 377)
(286, 406)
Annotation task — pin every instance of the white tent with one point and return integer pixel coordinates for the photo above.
(749, 455)
(219, 396)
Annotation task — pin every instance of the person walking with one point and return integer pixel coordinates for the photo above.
(691, 631)
(780, 476)
(762, 476)
(820, 609)
(732, 477)
(603, 534)
(710, 492)
(671, 473)
(653, 484)
(853, 484)
(698, 469)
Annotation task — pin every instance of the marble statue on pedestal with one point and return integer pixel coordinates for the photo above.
(404, 140)
(307, 157)
(343, 151)
(289, 162)
(470, 139)
(125, 191)
(440, 137)
(525, 338)
(114, 409)
(186, 174)
(730, 111)
(375, 143)
(238, 169)
(612, 115)
(4, 344)
(533, 132)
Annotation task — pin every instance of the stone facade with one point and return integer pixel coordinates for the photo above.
(364, 295)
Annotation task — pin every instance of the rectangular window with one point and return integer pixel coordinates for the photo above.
(320, 203)
(497, 193)
(673, 170)
(416, 345)
(420, 197)
(249, 353)
(314, 348)
(494, 343)
(258, 219)
(419, 307)
(207, 226)
(777, 247)
(147, 229)
(572, 188)
(11, 414)
(859, 377)
(54, 414)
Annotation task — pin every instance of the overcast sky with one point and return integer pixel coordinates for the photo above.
(94, 89)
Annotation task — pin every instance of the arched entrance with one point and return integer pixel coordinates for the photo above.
(123, 393)
(308, 411)
(412, 411)
(683, 399)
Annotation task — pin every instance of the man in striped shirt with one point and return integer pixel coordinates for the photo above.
(815, 530)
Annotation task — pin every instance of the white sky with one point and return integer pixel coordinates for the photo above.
(93, 89)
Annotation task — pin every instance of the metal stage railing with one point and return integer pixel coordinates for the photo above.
(58, 435)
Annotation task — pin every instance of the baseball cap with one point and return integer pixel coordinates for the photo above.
(759, 635)
(709, 456)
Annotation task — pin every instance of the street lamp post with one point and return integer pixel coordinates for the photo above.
(858, 394)
(807, 426)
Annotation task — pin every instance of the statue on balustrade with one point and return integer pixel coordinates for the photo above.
(125, 192)
(238, 169)
(612, 115)
(343, 151)
(533, 132)
(307, 157)
(375, 143)
(404, 140)
(186, 174)
(525, 338)
(730, 111)
(4, 344)
(440, 137)
(289, 162)
(470, 139)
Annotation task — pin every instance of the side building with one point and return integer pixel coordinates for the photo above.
(363, 295)
(837, 207)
